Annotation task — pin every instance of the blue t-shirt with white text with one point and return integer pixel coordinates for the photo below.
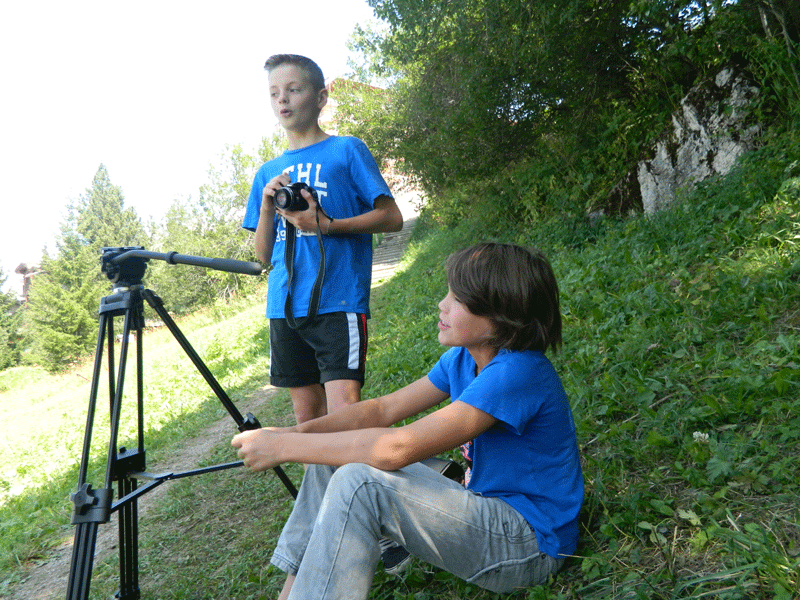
(530, 459)
(348, 181)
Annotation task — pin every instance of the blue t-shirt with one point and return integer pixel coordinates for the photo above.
(530, 459)
(347, 180)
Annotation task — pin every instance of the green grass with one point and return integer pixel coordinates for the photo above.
(681, 360)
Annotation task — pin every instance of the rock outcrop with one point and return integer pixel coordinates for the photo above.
(708, 133)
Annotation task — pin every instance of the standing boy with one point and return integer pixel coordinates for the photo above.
(320, 359)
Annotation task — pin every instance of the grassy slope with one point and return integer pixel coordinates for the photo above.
(681, 360)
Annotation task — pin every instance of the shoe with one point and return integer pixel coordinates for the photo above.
(395, 558)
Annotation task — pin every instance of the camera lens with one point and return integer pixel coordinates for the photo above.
(290, 198)
(283, 198)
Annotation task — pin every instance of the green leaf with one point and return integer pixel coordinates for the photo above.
(662, 507)
(689, 515)
(654, 438)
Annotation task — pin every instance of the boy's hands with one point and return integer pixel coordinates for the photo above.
(304, 220)
(258, 448)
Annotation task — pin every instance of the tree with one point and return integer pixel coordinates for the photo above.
(64, 299)
(477, 82)
(9, 327)
(211, 227)
(479, 85)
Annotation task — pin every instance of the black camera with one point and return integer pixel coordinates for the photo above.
(290, 198)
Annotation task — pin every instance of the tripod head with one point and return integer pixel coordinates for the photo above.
(125, 266)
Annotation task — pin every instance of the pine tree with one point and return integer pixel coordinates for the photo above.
(65, 298)
(9, 327)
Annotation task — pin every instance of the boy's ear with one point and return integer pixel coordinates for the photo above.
(323, 98)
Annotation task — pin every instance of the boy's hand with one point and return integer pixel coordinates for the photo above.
(273, 186)
(303, 220)
(258, 448)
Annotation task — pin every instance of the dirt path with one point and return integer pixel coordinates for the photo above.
(389, 252)
(48, 580)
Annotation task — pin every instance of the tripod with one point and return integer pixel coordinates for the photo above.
(125, 268)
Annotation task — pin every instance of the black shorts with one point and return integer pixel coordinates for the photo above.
(331, 346)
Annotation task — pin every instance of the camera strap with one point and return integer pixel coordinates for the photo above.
(288, 259)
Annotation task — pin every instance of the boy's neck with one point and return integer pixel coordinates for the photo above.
(298, 139)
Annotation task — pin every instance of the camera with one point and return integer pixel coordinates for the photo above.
(290, 198)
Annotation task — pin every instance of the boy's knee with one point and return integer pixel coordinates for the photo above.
(341, 393)
(357, 481)
(348, 487)
(353, 475)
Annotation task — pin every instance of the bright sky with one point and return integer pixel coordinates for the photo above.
(153, 89)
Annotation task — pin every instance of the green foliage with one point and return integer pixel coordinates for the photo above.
(778, 74)
(684, 373)
(573, 89)
(359, 112)
(210, 227)
(64, 299)
(10, 323)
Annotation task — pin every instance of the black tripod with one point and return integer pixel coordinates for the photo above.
(125, 268)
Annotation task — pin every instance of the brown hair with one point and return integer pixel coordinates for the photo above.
(515, 288)
(309, 66)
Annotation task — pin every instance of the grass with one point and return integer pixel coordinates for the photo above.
(681, 359)
(44, 419)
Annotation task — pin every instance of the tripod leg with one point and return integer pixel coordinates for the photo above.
(127, 462)
(90, 507)
(82, 558)
(244, 424)
(128, 544)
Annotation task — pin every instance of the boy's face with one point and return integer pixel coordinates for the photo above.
(294, 100)
(459, 327)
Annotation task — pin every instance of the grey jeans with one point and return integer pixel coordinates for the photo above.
(330, 541)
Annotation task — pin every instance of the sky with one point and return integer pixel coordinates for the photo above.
(154, 90)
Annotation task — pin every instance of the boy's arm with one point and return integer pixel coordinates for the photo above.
(387, 448)
(384, 218)
(384, 411)
(265, 233)
(357, 433)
